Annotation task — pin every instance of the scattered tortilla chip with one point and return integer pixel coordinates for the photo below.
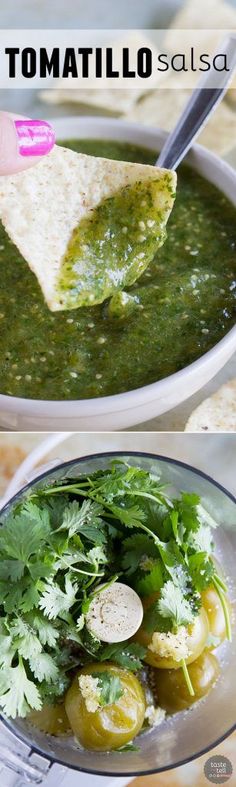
(211, 17)
(162, 109)
(86, 225)
(231, 96)
(217, 413)
(114, 100)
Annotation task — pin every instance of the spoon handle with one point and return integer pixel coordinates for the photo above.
(200, 106)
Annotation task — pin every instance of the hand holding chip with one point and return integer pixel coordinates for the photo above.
(23, 142)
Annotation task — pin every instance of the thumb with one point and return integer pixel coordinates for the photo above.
(23, 142)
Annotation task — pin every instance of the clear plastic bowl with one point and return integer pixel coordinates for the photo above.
(189, 734)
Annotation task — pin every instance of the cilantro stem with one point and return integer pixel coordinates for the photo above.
(90, 582)
(187, 677)
(106, 584)
(220, 582)
(156, 498)
(81, 490)
(65, 488)
(80, 571)
(224, 607)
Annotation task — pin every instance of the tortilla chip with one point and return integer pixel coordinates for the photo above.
(209, 17)
(231, 96)
(42, 207)
(114, 100)
(162, 109)
(217, 413)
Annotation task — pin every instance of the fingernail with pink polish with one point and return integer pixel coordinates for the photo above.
(35, 137)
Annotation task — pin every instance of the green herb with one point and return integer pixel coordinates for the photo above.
(154, 621)
(59, 545)
(110, 687)
(54, 601)
(128, 747)
(85, 519)
(127, 655)
(201, 540)
(153, 580)
(224, 607)
(201, 570)
(17, 693)
(136, 548)
(187, 678)
(174, 606)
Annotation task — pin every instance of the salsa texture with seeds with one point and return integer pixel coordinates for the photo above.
(112, 247)
(180, 307)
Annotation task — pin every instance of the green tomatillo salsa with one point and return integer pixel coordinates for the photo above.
(110, 249)
(179, 308)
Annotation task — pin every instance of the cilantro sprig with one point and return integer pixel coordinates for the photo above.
(110, 687)
(59, 544)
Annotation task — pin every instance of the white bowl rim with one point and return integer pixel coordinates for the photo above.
(119, 402)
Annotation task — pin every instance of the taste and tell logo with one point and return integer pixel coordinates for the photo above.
(218, 769)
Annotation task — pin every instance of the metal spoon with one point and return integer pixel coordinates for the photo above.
(200, 106)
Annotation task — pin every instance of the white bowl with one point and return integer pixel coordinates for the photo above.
(127, 409)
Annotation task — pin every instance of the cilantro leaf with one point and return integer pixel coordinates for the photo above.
(86, 520)
(190, 499)
(174, 519)
(80, 622)
(40, 570)
(49, 692)
(27, 642)
(153, 620)
(55, 601)
(205, 517)
(11, 569)
(128, 747)
(23, 534)
(201, 569)
(55, 506)
(17, 693)
(130, 515)
(173, 605)
(124, 479)
(7, 650)
(44, 667)
(30, 599)
(171, 556)
(90, 643)
(97, 555)
(110, 687)
(127, 654)
(188, 520)
(47, 633)
(152, 582)
(201, 541)
(136, 547)
(22, 595)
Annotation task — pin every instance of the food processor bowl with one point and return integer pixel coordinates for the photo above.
(189, 734)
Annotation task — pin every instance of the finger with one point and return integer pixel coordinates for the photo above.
(23, 142)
